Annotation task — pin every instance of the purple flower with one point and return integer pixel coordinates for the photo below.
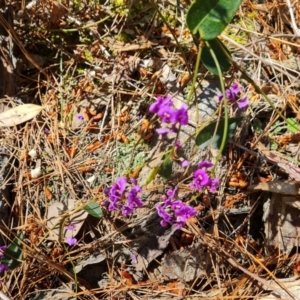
(160, 102)
(117, 194)
(166, 217)
(167, 114)
(178, 144)
(3, 268)
(213, 184)
(134, 200)
(200, 180)
(172, 193)
(71, 241)
(181, 115)
(185, 163)
(163, 131)
(134, 258)
(233, 94)
(174, 211)
(205, 164)
(230, 95)
(46, 130)
(113, 203)
(182, 213)
(121, 184)
(133, 181)
(127, 209)
(235, 88)
(70, 227)
(243, 103)
(165, 110)
(80, 117)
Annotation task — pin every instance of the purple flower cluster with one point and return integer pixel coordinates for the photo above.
(233, 95)
(117, 195)
(201, 179)
(71, 241)
(167, 113)
(174, 211)
(3, 267)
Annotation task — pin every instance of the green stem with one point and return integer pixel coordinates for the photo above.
(81, 28)
(224, 105)
(195, 76)
(62, 227)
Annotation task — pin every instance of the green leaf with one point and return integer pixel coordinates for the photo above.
(205, 136)
(152, 174)
(165, 169)
(292, 125)
(257, 126)
(94, 209)
(219, 49)
(210, 17)
(278, 126)
(274, 146)
(13, 254)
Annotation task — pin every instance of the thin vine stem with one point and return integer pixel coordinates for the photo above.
(224, 105)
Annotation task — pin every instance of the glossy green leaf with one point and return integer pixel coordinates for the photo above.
(257, 126)
(165, 169)
(205, 136)
(13, 254)
(152, 174)
(220, 51)
(94, 209)
(210, 17)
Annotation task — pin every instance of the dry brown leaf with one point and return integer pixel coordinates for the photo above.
(19, 114)
(58, 11)
(54, 223)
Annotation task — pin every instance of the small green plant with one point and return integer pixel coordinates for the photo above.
(206, 19)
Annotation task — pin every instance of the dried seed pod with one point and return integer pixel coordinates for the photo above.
(94, 146)
(24, 155)
(48, 193)
(84, 169)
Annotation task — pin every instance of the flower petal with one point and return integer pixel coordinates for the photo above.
(163, 131)
(3, 268)
(70, 227)
(235, 88)
(185, 163)
(71, 241)
(160, 102)
(182, 115)
(121, 182)
(167, 114)
(243, 103)
(205, 164)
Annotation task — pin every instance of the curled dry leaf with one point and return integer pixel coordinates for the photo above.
(19, 114)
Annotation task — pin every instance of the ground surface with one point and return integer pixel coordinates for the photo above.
(96, 68)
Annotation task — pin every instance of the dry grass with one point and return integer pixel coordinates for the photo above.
(90, 72)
